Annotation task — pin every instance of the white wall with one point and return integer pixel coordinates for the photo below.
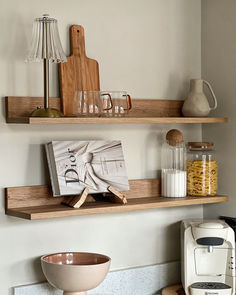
(219, 68)
(150, 48)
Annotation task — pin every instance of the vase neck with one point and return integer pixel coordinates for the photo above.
(196, 85)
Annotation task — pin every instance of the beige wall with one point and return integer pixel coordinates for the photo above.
(219, 68)
(150, 48)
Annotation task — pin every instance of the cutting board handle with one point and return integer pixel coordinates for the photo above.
(77, 41)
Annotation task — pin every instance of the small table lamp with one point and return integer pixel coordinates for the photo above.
(46, 46)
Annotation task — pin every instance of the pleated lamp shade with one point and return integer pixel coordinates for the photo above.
(46, 47)
(46, 42)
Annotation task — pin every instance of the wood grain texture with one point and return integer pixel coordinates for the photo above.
(76, 201)
(173, 290)
(36, 202)
(20, 108)
(145, 111)
(79, 72)
(116, 196)
(41, 195)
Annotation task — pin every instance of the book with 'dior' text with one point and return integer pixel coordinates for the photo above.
(75, 165)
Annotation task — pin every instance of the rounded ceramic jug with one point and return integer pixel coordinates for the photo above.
(196, 104)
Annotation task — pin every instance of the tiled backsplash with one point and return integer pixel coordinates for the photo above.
(148, 280)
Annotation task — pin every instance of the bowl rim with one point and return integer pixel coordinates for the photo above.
(42, 258)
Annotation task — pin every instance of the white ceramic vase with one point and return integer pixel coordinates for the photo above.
(196, 103)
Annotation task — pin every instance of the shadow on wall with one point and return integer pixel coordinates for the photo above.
(172, 239)
(176, 87)
(152, 158)
(168, 243)
(36, 263)
(36, 163)
(33, 265)
(3, 108)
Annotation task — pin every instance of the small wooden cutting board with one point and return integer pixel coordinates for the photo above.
(173, 290)
(79, 72)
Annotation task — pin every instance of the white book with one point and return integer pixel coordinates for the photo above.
(75, 165)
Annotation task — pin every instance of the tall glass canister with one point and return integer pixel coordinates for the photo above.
(201, 169)
(173, 165)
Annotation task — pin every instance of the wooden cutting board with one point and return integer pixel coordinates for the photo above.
(79, 72)
(173, 290)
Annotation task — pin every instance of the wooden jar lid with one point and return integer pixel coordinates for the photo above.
(200, 144)
(174, 137)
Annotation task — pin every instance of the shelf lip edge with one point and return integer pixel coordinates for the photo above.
(115, 120)
(129, 120)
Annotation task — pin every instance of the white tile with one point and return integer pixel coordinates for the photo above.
(37, 289)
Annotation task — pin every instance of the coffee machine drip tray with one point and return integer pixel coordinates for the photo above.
(210, 288)
(210, 285)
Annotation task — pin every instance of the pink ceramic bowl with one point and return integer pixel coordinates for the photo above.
(75, 271)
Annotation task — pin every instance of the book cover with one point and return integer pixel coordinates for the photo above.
(74, 165)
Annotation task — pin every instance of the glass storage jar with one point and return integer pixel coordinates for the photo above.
(201, 169)
(173, 171)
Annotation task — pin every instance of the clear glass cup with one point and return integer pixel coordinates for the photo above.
(91, 103)
(121, 103)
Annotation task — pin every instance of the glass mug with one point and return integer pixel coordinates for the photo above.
(91, 103)
(121, 103)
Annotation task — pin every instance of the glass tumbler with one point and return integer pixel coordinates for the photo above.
(91, 103)
(121, 103)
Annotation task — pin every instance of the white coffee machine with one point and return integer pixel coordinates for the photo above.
(207, 257)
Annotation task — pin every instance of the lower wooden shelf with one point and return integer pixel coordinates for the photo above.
(54, 211)
(36, 202)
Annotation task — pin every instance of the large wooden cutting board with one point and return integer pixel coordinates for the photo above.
(79, 72)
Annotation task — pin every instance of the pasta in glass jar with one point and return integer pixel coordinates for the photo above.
(201, 169)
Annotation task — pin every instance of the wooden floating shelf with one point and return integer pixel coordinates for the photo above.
(145, 111)
(54, 211)
(36, 202)
(121, 120)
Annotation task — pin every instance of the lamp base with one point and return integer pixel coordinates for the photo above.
(49, 113)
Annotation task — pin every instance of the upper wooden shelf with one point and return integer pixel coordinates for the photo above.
(121, 120)
(36, 202)
(145, 111)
